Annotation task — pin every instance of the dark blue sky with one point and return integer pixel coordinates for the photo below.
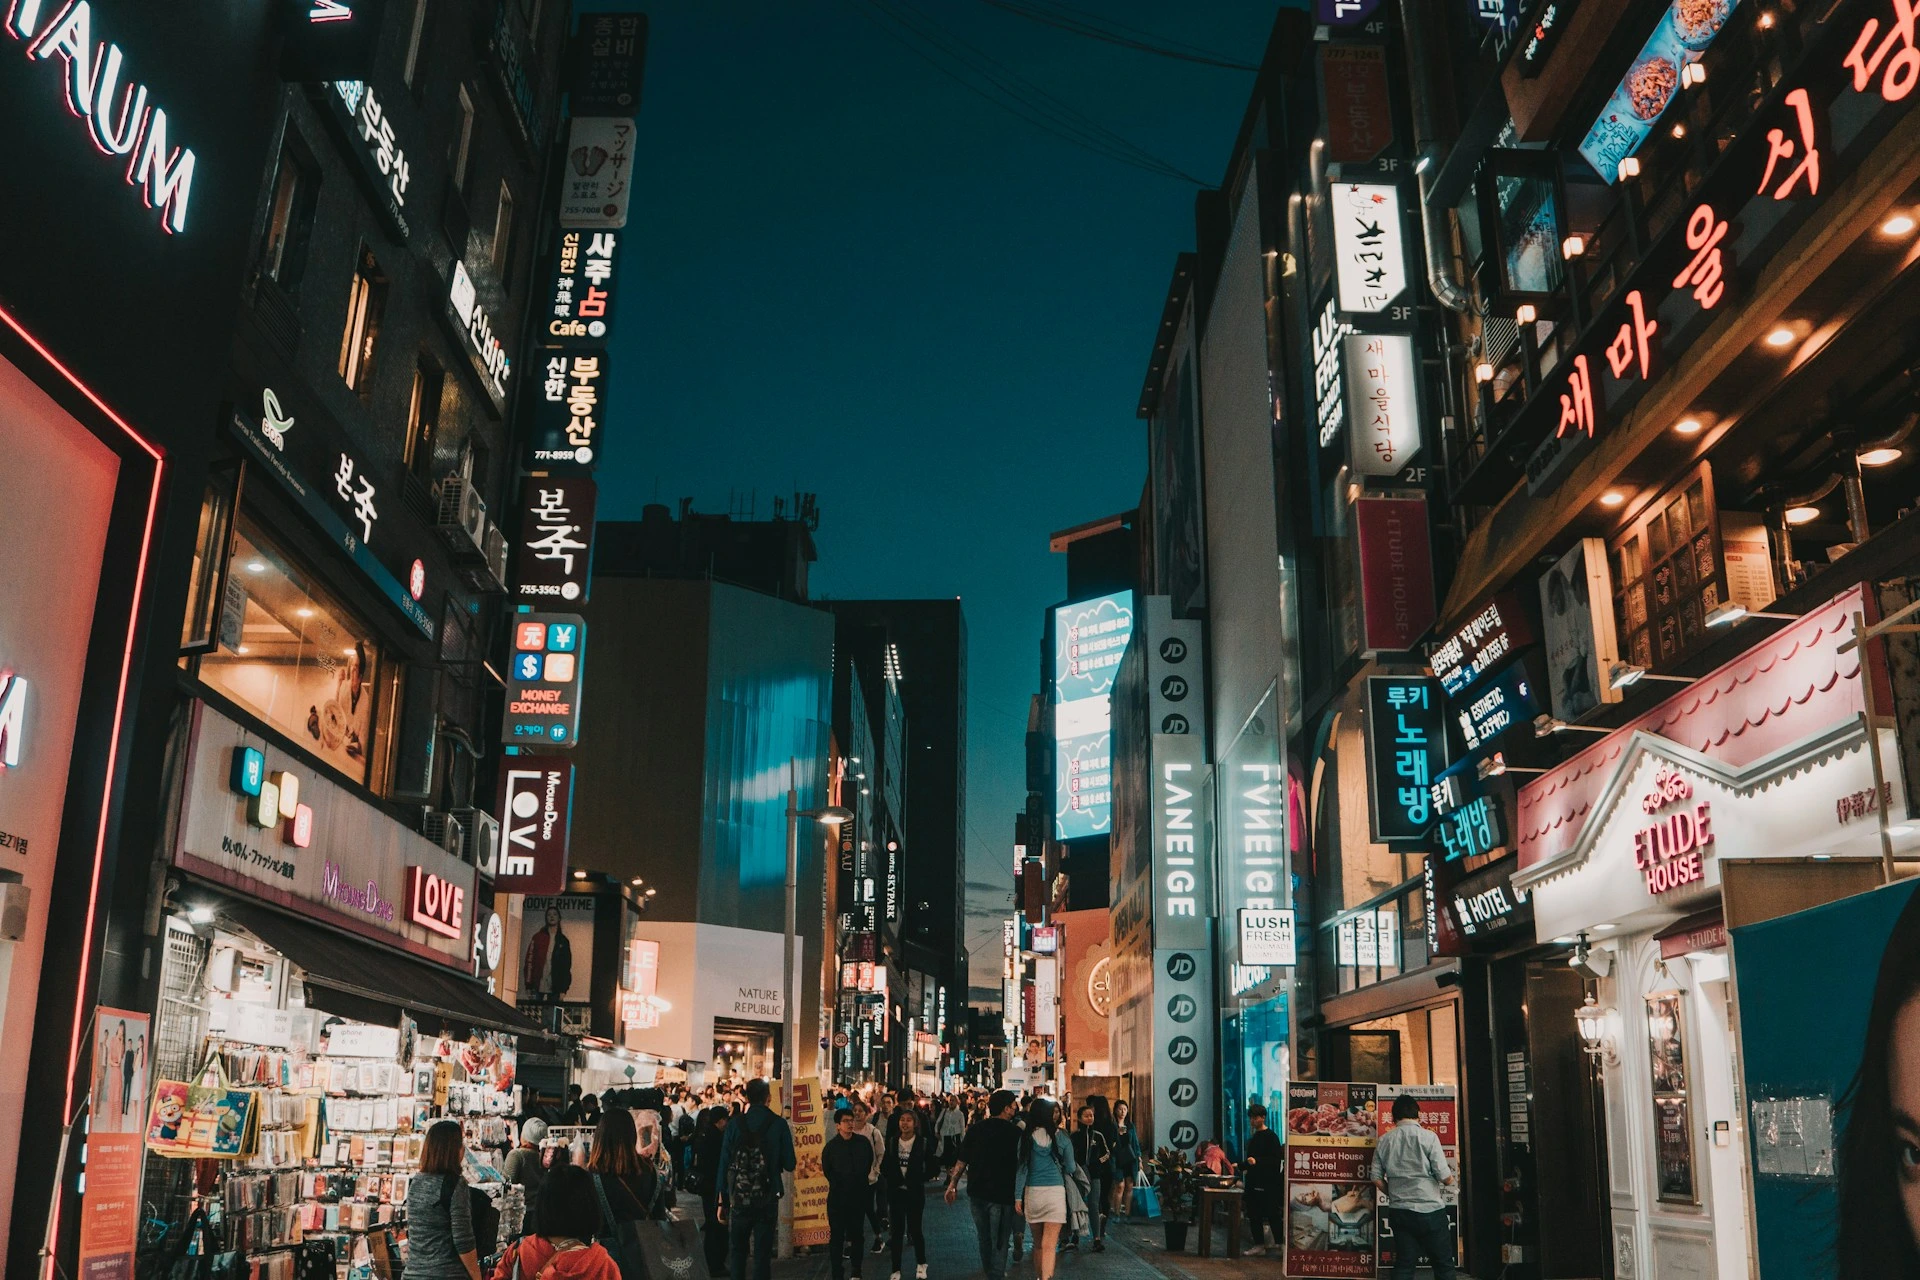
(848, 275)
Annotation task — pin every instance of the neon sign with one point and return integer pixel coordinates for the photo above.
(1670, 852)
(120, 118)
(435, 903)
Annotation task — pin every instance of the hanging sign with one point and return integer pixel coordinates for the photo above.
(569, 409)
(1359, 109)
(1406, 751)
(1506, 702)
(1383, 402)
(485, 351)
(612, 55)
(1396, 572)
(1492, 636)
(1369, 246)
(1267, 936)
(554, 560)
(579, 313)
(596, 181)
(543, 680)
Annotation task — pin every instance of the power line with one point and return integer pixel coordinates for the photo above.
(1006, 89)
(1080, 23)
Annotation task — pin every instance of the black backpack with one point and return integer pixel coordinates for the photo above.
(752, 1181)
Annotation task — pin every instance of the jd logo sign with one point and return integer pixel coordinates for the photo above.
(1183, 1092)
(1180, 966)
(1183, 1134)
(1182, 1007)
(1173, 649)
(1174, 688)
(1182, 1050)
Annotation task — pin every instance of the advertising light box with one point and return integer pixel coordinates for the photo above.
(543, 680)
(1089, 639)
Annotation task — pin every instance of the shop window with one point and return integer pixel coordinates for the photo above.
(423, 416)
(463, 143)
(294, 657)
(366, 305)
(416, 38)
(503, 231)
(296, 188)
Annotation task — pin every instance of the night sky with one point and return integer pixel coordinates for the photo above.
(847, 274)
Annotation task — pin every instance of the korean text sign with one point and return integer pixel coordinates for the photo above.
(1089, 639)
(1332, 1127)
(1406, 751)
(543, 680)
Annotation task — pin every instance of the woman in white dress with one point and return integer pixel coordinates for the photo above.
(1040, 1183)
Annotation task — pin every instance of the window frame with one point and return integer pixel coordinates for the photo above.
(360, 335)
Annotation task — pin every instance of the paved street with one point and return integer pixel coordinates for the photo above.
(1135, 1251)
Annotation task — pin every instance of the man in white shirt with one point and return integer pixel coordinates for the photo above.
(1410, 1166)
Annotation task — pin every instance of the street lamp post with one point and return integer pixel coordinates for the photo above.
(833, 816)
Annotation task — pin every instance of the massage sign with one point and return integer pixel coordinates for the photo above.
(1671, 851)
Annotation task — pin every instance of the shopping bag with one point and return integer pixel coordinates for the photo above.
(669, 1246)
(1146, 1201)
(621, 1239)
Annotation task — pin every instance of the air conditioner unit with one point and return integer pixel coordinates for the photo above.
(483, 839)
(462, 517)
(445, 830)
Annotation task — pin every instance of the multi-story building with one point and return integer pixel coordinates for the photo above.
(284, 421)
(722, 698)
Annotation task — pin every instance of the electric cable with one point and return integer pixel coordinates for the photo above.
(1006, 89)
(1079, 22)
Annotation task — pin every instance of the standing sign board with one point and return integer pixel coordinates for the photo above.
(1332, 1127)
(1440, 1114)
(116, 1124)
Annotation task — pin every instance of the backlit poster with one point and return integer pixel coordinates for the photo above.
(1579, 635)
(1089, 639)
(1440, 1114)
(117, 1122)
(556, 956)
(1332, 1127)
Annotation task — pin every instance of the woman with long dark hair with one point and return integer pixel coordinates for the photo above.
(1040, 1183)
(1879, 1165)
(563, 1248)
(1126, 1156)
(625, 1177)
(440, 1240)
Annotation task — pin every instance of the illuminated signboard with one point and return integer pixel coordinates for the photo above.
(124, 119)
(1369, 246)
(436, 903)
(1182, 844)
(1089, 639)
(555, 555)
(1383, 401)
(1329, 381)
(569, 409)
(329, 39)
(1471, 831)
(1267, 937)
(1652, 82)
(579, 305)
(1505, 702)
(360, 119)
(485, 351)
(543, 680)
(597, 180)
(1537, 43)
(1406, 751)
(1492, 636)
(1800, 146)
(535, 805)
(611, 56)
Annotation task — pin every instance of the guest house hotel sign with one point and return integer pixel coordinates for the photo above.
(123, 118)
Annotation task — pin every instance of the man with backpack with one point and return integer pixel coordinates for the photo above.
(757, 1150)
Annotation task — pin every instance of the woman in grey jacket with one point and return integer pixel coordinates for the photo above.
(440, 1243)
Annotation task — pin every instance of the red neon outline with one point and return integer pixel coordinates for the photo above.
(119, 716)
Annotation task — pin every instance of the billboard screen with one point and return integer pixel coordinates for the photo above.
(1088, 640)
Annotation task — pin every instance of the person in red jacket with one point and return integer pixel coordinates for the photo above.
(569, 1215)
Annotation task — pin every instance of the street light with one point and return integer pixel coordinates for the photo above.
(833, 816)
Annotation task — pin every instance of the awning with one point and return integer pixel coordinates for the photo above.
(365, 972)
(1703, 931)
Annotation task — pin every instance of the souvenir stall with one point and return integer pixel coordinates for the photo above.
(288, 1114)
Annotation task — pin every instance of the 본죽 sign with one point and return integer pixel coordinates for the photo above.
(555, 555)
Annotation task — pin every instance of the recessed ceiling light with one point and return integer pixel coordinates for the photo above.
(1612, 498)
(348, 652)
(1679, 130)
(243, 649)
(1879, 457)
(1687, 427)
(1802, 515)
(1766, 19)
(1899, 224)
(256, 566)
(303, 613)
(1780, 336)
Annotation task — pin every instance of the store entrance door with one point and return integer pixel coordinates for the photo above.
(744, 1050)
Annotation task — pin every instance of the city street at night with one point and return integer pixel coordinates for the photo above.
(1271, 638)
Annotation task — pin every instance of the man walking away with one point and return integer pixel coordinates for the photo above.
(757, 1149)
(1410, 1166)
(1265, 1171)
(989, 1156)
(846, 1160)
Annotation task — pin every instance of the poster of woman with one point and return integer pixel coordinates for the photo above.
(1576, 619)
(555, 963)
